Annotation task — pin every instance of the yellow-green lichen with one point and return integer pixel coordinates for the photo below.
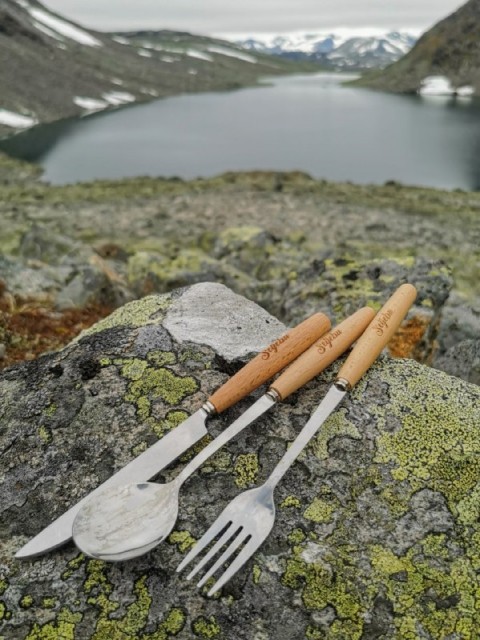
(311, 633)
(438, 447)
(256, 574)
(290, 501)
(320, 588)
(45, 434)
(428, 580)
(134, 620)
(51, 410)
(206, 627)
(468, 508)
(73, 566)
(182, 539)
(148, 310)
(296, 536)
(220, 461)
(3, 586)
(171, 626)
(147, 383)
(139, 448)
(336, 425)
(319, 511)
(26, 601)
(245, 469)
(48, 603)
(433, 587)
(130, 625)
(161, 358)
(171, 420)
(132, 369)
(4, 613)
(63, 627)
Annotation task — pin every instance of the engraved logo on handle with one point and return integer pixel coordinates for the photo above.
(327, 341)
(273, 348)
(382, 322)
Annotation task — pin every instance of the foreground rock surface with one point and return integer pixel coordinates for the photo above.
(377, 532)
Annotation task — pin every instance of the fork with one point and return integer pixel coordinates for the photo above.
(248, 519)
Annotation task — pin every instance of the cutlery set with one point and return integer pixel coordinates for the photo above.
(127, 516)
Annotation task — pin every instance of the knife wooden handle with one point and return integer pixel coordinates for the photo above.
(270, 361)
(377, 335)
(322, 353)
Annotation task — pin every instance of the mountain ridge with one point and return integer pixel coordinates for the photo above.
(338, 49)
(53, 68)
(449, 50)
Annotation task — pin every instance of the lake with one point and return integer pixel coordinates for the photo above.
(306, 122)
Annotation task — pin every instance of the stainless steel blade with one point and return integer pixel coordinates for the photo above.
(142, 468)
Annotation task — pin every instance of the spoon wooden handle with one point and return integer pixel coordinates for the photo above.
(270, 361)
(322, 353)
(377, 335)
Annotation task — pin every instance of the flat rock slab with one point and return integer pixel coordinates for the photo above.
(377, 532)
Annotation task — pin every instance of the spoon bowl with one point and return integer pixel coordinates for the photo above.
(125, 522)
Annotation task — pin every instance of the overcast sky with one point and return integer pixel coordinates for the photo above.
(253, 16)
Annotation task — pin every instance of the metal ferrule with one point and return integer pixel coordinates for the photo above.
(273, 393)
(342, 384)
(209, 408)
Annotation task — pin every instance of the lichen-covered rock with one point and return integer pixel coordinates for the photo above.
(459, 322)
(377, 532)
(287, 275)
(462, 360)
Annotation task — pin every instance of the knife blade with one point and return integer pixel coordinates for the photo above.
(145, 466)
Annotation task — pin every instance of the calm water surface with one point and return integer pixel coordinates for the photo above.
(308, 122)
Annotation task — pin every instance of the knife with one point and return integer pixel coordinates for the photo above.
(145, 466)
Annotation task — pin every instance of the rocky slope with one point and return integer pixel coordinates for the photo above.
(376, 533)
(52, 68)
(451, 49)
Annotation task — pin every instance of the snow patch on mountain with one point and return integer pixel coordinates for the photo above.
(61, 27)
(442, 86)
(224, 51)
(16, 120)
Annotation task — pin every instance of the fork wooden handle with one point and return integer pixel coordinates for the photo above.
(377, 335)
(270, 361)
(322, 353)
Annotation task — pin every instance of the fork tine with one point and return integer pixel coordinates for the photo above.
(229, 533)
(237, 564)
(205, 540)
(240, 538)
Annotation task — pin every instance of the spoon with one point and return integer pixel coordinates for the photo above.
(126, 522)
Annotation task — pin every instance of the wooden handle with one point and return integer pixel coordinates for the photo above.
(377, 334)
(270, 361)
(322, 353)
